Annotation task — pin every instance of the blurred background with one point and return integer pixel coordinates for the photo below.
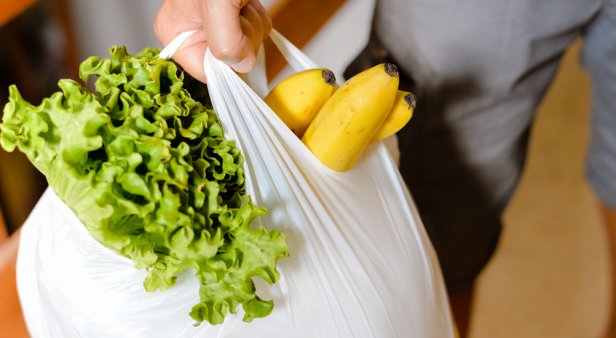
(549, 277)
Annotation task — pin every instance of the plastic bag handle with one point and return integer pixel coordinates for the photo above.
(175, 44)
(293, 55)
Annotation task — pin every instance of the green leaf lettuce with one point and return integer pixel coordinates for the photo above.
(143, 163)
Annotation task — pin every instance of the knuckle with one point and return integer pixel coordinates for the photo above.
(225, 51)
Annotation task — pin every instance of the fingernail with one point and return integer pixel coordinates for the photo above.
(245, 65)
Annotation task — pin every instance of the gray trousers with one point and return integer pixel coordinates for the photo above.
(480, 68)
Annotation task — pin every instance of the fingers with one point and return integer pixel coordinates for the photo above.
(175, 17)
(236, 30)
(232, 29)
(254, 29)
(230, 35)
(265, 18)
(190, 55)
(260, 21)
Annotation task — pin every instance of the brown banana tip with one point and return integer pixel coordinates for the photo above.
(411, 100)
(391, 69)
(329, 77)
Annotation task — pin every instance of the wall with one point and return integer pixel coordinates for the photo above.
(101, 24)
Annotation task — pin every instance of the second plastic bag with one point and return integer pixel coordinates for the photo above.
(360, 262)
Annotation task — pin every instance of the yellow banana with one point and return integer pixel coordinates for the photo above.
(400, 114)
(298, 98)
(352, 116)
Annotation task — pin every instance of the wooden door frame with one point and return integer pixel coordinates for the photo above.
(12, 8)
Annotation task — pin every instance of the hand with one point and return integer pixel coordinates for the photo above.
(232, 29)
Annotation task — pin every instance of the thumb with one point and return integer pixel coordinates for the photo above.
(227, 37)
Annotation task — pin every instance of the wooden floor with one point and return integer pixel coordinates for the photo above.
(549, 278)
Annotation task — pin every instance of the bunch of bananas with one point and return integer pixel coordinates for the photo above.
(338, 123)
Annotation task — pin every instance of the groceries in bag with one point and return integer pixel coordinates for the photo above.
(400, 114)
(366, 108)
(360, 262)
(299, 97)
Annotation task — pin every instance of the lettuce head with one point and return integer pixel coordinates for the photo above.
(143, 163)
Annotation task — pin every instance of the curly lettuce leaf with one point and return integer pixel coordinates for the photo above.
(143, 163)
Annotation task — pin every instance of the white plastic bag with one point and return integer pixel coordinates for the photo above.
(360, 266)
